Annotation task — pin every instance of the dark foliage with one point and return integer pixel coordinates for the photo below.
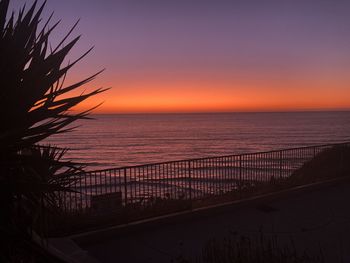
(258, 249)
(329, 164)
(34, 104)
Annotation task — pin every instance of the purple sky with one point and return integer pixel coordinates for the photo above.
(233, 47)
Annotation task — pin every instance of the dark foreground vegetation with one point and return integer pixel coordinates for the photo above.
(329, 164)
(259, 249)
(34, 104)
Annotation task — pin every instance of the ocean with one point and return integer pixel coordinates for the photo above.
(118, 140)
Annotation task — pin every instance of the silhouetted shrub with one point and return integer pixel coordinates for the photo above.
(244, 249)
(34, 104)
(330, 163)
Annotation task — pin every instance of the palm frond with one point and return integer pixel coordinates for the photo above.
(33, 78)
(34, 105)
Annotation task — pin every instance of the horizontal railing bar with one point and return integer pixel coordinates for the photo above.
(216, 157)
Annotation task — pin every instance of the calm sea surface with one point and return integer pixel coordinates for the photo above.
(120, 140)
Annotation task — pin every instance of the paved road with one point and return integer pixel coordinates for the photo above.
(316, 219)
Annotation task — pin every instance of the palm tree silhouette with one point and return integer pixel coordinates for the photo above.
(34, 104)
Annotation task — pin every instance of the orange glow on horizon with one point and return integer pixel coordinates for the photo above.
(217, 94)
(219, 99)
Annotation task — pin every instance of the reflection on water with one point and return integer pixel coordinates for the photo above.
(120, 140)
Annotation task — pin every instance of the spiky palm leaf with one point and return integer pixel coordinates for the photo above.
(32, 93)
(34, 104)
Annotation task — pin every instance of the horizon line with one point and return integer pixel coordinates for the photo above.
(221, 112)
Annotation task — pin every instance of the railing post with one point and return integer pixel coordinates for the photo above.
(125, 188)
(280, 164)
(314, 152)
(240, 176)
(190, 180)
(341, 163)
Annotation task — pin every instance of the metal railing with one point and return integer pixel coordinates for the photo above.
(179, 185)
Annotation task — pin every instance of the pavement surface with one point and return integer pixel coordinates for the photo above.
(316, 220)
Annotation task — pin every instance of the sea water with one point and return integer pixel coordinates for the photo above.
(117, 140)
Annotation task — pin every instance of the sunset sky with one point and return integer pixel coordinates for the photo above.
(201, 55)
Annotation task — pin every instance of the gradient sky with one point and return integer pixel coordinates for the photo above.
(201, 55)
